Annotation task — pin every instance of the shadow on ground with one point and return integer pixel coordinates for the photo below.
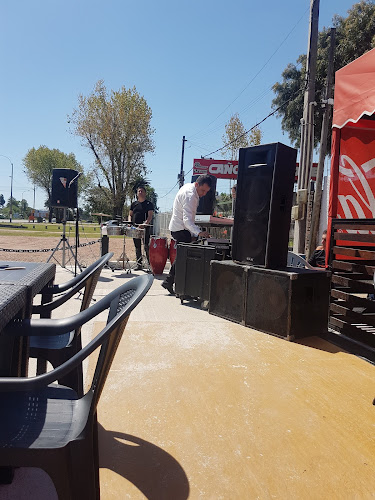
(152, 470)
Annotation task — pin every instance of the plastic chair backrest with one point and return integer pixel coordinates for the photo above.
(120, 303)
(295, 260)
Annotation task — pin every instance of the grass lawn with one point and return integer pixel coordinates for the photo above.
(45, 229)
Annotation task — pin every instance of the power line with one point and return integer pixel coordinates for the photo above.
(255, 76)
(241, 135)
(256, 125)
(246, 108)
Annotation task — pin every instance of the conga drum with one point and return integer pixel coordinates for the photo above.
(158, 253)
(172, 250)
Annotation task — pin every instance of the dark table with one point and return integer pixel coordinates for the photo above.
(22, 285)
(18, 288)
(13, 301)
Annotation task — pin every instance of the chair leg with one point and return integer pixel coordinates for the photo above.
(84, 477)
(41, 366)
(96, 456)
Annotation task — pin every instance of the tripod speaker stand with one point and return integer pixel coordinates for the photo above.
(65, 247)
(65, 195)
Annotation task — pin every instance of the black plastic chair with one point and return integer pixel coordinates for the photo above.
(295, 260)
(47, 425)
(57, 349)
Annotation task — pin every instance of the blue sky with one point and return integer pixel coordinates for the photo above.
(196, 63)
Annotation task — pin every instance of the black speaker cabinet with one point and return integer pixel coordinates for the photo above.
(289, 304)
(263, 205)
(193, 269)
(228, 290)
(64, 189)
(207, 202)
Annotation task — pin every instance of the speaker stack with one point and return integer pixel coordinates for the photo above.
(64, 188)
(257, 289)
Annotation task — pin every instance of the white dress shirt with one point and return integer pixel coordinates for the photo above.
(184, 209)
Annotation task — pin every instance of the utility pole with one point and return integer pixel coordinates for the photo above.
(11, 189)
(307, 141)
(327, 103)
(180, 177)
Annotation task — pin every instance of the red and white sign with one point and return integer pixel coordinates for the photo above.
(225, 169)
(222, 169)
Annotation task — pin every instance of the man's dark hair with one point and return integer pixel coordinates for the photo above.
(204, 179)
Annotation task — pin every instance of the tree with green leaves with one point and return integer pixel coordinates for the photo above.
(355, 35)
(116, 127)
(97, 200)
(235, 137)
(39, 164)
(224, 204)
(2, 200)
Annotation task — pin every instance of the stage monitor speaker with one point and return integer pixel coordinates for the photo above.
(193, 270)
(291, 304)
(64, 188)
(207, 202)
(228, 290)
(263, 205)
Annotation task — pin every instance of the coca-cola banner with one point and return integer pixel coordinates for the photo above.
(356, 173)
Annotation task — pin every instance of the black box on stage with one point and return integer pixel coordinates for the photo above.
(207, 202)
(64, 188)
(228, 290)
(193, 269)
(266, 175)
(291, 303)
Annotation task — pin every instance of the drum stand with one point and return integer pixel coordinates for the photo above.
(144, 262)
(124, 258)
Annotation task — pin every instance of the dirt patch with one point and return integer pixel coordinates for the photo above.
(17, 248)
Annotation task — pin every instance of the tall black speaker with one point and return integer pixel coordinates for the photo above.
(263, 205)
(290, 303)
(207, 202)
(64, 188)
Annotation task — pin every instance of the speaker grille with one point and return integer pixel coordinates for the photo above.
(64, 192)
(267, 306)
(290, 304)
(227, 290)
(263, 205)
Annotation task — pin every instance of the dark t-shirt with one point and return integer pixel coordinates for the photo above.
(140, 211)
(318, 259)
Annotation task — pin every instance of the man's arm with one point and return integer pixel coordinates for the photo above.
(150, 214)
(130, 218)
(189, 210)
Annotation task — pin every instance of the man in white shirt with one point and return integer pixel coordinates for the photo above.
(182, 224)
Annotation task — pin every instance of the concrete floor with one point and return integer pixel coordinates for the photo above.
(198, 407)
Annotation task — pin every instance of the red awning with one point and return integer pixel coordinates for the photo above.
(355, 90)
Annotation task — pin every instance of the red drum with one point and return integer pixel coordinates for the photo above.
(158, 252)
(172, 250)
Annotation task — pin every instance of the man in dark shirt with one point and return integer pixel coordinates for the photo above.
(318, 258)
(141, 213)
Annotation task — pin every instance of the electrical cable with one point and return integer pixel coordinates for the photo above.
(256, 125)
(255, 76)
(246, 108)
